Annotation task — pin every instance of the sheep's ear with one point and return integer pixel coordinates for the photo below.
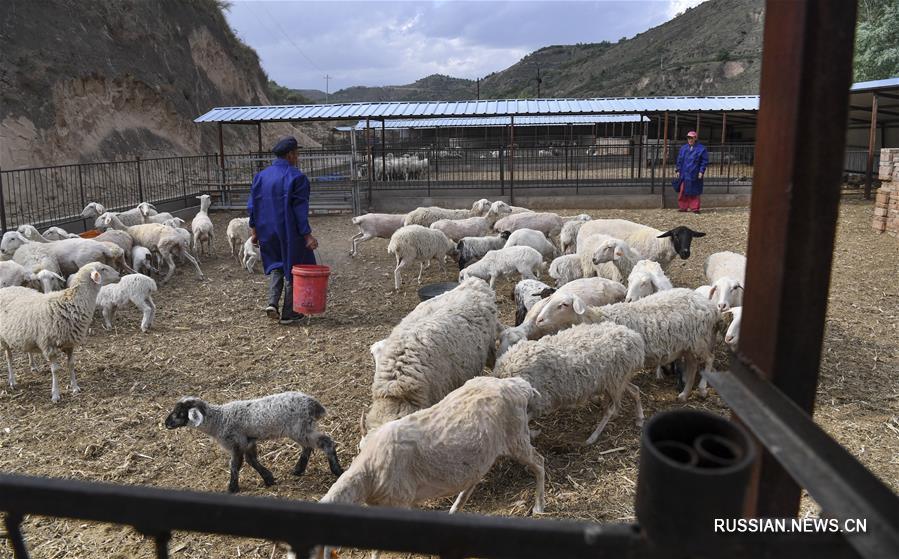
(738, 286)
(195, 417)
(712, 291)
(666, 234)
(698, 234)
(547, 291)
(96, 277)
(21, 237)
(578, 305)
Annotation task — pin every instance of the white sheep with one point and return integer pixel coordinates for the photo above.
(445, 449)
(37, 258)
(240, 425)
(616, 251)
(428, 215)
(534, 239)
(128, 217)
(726, 272)
(676, 323)
(202, 229)
(58, 234)
(31, 233)
(136, 288)
(457, 229)
(505, 262)
(149, 214)
(587, 249)
(645, 279)
(120, 238)
(526, 294)
(14, 274)
(593, 291)
(650, 243)
(251, 255)
(566, 268)
(577, 365)
(238, 232)
(472, 249)
(732, 336)
(51, 324)
(142, 260)
(371, 226)
(442, 343)
(499, 209)
(70, 254)
(547, 223)
(568, 235)
(415, 243)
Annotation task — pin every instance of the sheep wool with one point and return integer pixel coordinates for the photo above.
(416, 243)
(426, 216)
(136, 288)
(505, 262)
(375, 226)
(566, 268)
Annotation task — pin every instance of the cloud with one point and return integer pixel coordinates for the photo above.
(394, 43)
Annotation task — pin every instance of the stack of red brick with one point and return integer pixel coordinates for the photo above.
(886, 209)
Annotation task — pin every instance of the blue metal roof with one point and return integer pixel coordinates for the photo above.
(493, 107)
(499, 121)
(875, 85)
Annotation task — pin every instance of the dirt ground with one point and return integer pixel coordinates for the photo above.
(211, 339)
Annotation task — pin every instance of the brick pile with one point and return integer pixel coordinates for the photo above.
(886, 208)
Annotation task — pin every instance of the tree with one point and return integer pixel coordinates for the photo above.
(876, 43)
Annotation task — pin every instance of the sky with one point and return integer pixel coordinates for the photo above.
(378, 43)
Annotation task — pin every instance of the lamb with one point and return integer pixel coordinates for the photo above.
(587, 249)
(136, 288)
(457, 229)
(251, 255)
(726, 272)
(578, 364)
(445, 449)
(472, 249)
(201, 227)
(566, 268)
(240, 425)
(593, 291)
(438, 346)
(616, 251)
(128, 218)
(415, 243)
(58, 234)
(120, 238)
(426, 216)
(650, 243)
(14, 274)
(645, 279)
(732, 336)
(526, 294)
(37, 258)
(481, 207)
(568, 235)
(142, 260)
(500, 208)
(149, 214)
(157, 237)
(177, 224)
(373, 226)
(549, 224)
(31, 233)
(51, 323)
(238, 232)
(504, 262)
(534, 239)
(677, 323)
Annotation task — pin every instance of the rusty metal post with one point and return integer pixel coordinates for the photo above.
(806, 72)
(663, 190)
(259, 137)
(3, 204)
(140, 181)
(697, 125)
(872, 140)
(221, 147)
(369, 160)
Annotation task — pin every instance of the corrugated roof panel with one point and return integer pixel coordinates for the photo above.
(542, 120)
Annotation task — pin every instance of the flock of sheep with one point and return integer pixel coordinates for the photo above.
(437, 422)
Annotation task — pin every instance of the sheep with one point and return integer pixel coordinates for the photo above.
(472, 249)
(128, 218)
(651, 244)
(526, 294)
(157, 237)
(438, 346)
(549, 224)
(676, 323)
(149, 214)
(51, 323)
(500, 208)
(14, 274)
(136, 288)
(426, 216)
(37, 258)
(534, 239)
(120, 238)
(593, 291)
(58, 234)
(457, 229)
(141, 260)
(201, 228)
(240, 425)
(251, 255)
(568, 234)
(726, 272)
(415, 243)
(587, 249)
(481, 207)
(732, 336)
(566, 268)
(238, 232)
(445, 449)
(375, 226)
(506, 261)
(570, 368)
(31, 233)
(616, 251)
(645, 279)
(70, 254)
(177, 224)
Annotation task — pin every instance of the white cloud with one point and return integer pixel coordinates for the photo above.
(676, 7)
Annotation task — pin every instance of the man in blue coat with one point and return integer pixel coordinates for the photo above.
(691, 165)
(279, 223)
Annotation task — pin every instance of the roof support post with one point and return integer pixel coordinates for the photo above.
(697, 124)
(512, 161)
(806, 70)
(723, 137)
(221, 147)
(663, 190)
(872, 140)
(383, 154)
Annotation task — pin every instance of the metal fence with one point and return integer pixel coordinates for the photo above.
(856, 161)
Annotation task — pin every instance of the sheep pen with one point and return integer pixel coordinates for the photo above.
(212, 338)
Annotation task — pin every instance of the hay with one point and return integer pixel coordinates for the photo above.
(212, 339)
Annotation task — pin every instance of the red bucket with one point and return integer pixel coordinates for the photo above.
(310, 288)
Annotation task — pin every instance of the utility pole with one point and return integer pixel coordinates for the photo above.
(327, 88)
(479, 88)
(539, 81)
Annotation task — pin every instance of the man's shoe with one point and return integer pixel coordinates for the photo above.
(681, 210)
(272, 312)
(292, 318)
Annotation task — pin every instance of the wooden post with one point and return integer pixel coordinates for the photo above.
(221, 148)
(806, 73)
(664, 161)
(697, 125)
(872, 140)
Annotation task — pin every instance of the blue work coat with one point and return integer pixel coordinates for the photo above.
(689, 164)
(279, 211)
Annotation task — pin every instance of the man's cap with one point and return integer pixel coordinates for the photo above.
(691, 133)
(284, 146)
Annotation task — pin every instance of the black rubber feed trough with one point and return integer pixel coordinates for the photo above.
(434, 289)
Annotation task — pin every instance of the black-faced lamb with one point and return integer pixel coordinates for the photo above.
(472, 249)
(240, 425)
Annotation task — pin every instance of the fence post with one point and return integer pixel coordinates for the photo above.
(81, 191)
(140, 182)
(502, 179)
(183, 181)
(2, 204)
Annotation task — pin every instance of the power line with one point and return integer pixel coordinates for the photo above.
(289, 40)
